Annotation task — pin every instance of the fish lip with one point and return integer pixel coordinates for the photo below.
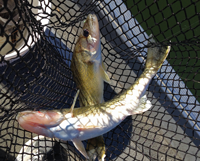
(92, 17)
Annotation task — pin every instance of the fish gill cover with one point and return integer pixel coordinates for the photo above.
(37, 41)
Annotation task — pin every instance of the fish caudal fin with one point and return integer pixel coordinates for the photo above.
(96, 148)
(143, 106)
(156, 55)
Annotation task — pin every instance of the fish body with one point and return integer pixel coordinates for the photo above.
(87, 66)
(91, 121)
(89, 74)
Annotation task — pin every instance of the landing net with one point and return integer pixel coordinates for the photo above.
(37, 42)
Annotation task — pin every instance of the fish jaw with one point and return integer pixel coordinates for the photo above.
(91, 25)
(38, 121)
(88, 48)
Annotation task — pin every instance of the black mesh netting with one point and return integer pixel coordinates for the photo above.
(37, 42)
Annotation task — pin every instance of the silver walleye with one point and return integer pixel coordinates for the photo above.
(77, 124)
(89, 74)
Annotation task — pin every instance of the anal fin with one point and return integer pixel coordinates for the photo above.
(79, 145)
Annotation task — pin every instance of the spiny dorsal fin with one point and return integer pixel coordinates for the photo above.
(74, 102)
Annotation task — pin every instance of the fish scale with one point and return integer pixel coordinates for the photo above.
(89, 75)
(106, 116)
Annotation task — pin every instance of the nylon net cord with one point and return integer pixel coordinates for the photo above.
(37, 43)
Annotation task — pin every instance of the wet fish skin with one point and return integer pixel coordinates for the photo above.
(87, 66)
(90, 121)
(89, 74)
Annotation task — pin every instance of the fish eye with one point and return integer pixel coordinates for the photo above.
(85, 33)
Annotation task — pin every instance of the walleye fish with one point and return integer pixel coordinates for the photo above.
(77, 124)
(89, 74)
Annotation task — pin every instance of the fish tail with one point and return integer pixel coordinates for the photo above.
(96, 148)
(143, 106)
(156, 55)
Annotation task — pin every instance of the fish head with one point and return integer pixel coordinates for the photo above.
(88, 45)
(49, 123)
(53, 124)
(39, 121)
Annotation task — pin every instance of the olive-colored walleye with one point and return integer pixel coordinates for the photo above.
(91, 121)
(89, 74)
(87, 66)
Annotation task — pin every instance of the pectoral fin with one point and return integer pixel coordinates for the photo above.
(104, 73)
(79, 145)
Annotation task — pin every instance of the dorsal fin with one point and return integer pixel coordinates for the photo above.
(74, 102)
